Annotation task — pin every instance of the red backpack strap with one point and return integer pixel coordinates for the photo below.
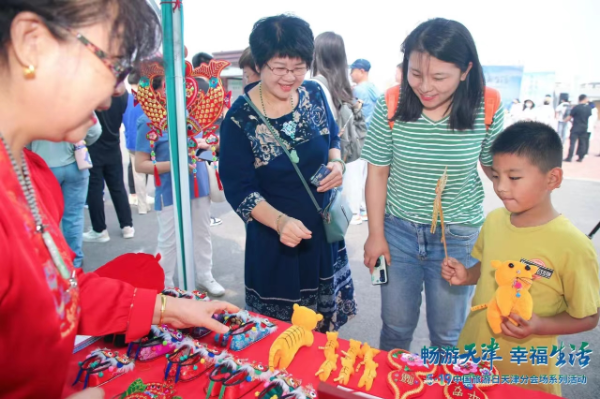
(491, 100)
(392, 96)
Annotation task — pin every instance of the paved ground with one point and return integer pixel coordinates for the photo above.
(577, 199)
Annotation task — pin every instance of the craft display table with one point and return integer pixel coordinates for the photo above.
(304, 367)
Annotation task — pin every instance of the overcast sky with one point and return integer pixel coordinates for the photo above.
(551, 35)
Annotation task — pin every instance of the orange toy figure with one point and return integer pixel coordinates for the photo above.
(368, 354)
(327, 367)
(437, 208)
(285, 347)
(346, 372)
(331, 345)
(514, 279)
(354, 350)
(369, 375)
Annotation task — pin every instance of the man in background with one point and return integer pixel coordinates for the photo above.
(137, 181)
(364, 90)
(579, 116)
(108, 167)
(562, 111)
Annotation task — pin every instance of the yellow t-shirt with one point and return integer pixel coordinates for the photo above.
(574, 287)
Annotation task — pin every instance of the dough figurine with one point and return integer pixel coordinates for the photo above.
(512, 296)
(346, 371)
(369, 375)
(353, 351)
(285, 347)
(331, 345)
(327, 367)
(368, 354)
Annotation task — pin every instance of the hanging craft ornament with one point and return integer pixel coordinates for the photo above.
(203, 109)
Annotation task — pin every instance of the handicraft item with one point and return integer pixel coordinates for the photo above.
(285, 347)
(102, 366)
(203, 109)
(406, 381)
(162, 340)
(438, 210)
(514, 279)
(153, 390)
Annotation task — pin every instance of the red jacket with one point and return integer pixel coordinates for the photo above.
(39, 315)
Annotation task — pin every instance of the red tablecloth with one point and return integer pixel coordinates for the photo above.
(304, 367)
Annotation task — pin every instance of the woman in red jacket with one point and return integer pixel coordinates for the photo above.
(59, 61)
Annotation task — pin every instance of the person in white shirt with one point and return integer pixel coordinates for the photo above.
(591, 125)
(561, 113)
(545, 114)
(528, 113)
(516, 110)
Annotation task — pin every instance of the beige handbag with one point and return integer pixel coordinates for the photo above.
(216, 192)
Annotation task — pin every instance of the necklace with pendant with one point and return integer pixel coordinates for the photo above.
(289, 128)
(27, 187)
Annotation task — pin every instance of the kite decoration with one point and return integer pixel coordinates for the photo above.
(203, 109)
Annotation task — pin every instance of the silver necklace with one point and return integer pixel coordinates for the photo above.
(27, 187)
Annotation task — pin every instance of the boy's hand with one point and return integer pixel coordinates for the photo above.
(524, 329)
(454, 272)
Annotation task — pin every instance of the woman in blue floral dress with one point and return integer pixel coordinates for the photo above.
(288, 259)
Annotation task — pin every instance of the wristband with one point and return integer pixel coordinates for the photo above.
(342, 162)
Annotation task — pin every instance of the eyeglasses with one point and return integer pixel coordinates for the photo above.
(300, 71)
(120, 68)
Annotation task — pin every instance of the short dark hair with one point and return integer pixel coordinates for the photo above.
(448, 41)
(282, 36)
(246, 60)
(536, 141)
(201, 58)
(582, 97)
(136, 25)
(134, 77)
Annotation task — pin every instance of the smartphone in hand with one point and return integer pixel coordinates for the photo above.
(380, 275)
(322, 173)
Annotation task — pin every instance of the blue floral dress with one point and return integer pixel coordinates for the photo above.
(254, 168)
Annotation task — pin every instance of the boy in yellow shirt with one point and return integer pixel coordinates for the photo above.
(526, 169)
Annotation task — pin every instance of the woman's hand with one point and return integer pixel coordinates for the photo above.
(374, 248)
(90, 393)
(202, 144)
(185, 313)
(334, 179)
(292, 231)
(454, 272)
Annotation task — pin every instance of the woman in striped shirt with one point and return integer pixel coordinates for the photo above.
(438, 124)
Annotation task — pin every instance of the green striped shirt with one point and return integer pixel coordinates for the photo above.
(418, 152)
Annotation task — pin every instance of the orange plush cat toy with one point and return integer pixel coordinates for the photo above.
(514, 279)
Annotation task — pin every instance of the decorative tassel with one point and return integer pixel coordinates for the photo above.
(156, 177)
(219, 180)
(196, 190)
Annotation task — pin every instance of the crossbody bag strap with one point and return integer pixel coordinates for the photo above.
(282, 144)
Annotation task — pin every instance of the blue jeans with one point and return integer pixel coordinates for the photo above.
(417, 257)
(74, 185)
